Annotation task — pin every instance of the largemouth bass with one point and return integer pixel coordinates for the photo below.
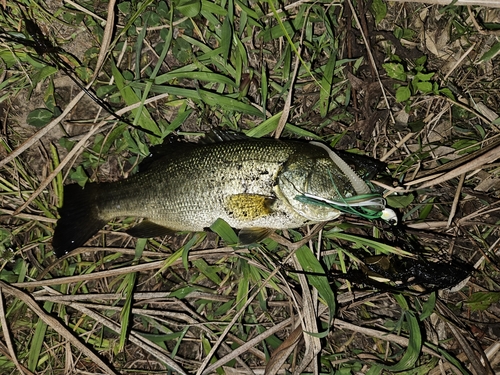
(253, 184)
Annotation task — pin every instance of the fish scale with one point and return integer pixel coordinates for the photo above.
(252, 184)
(194, 187)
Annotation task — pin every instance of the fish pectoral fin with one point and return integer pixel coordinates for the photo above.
(148, 229)
(247, 207)
(247, 236)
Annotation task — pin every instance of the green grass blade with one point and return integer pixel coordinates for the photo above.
(268, 126)
(229, 104)
(126, 312)
(141, 115)
(311, 265)
(326, 85)
(287, 33)
(360, 241)
(195, 239)
(428, 307)
(204, 76)
(264, 88)
(224, 231)
(227, 38)
(38, 340)
(243, 284)
(207, 270)
(414, 344)
(57, 183)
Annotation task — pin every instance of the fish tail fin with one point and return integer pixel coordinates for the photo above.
(79, 218)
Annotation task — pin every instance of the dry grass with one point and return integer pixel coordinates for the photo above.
(190, 304)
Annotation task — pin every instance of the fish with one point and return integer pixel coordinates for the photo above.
(255, 185)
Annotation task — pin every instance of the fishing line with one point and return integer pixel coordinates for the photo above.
(44, 47)
(369, 206)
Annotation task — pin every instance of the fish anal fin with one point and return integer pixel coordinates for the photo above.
(148, 229)
(247, 207)
(247, 236)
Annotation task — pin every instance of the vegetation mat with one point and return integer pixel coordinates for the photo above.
(87, 88)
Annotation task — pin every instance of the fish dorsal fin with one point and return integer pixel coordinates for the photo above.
(174, 144)
(148, 229)
(247, 207)
(247, 236)
(171, 147)
(218, 136)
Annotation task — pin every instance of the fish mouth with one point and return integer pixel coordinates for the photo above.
(288, 192)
